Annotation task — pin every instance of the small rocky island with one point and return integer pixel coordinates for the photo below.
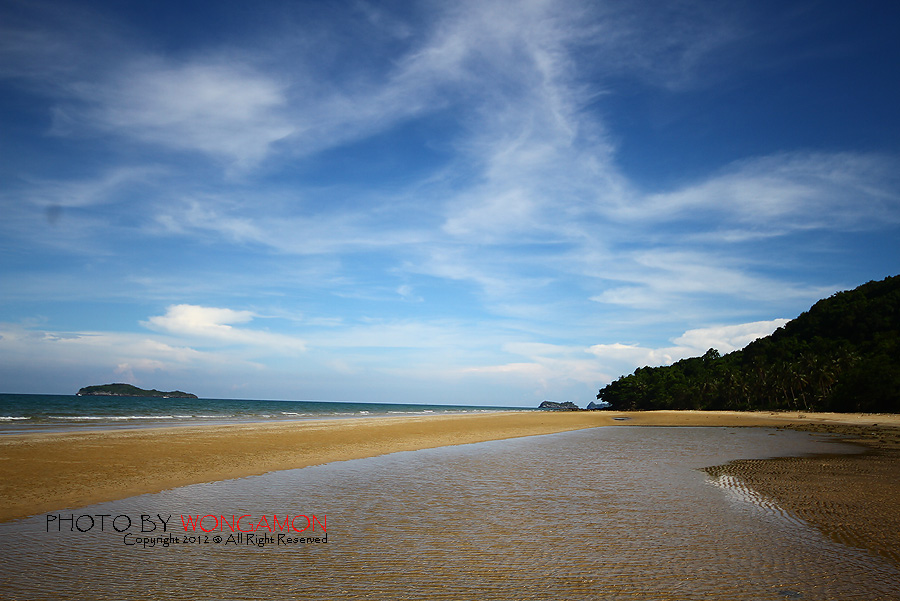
(129, 390)
(554, 406)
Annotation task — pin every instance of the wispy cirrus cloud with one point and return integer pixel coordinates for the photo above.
(79, 216)
(217, 107)
(785, 192)
(657, 277)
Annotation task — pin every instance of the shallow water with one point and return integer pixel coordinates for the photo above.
(28, 413)
(606, 513)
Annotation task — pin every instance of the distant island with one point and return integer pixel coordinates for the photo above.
(554, 406)
(129, 390)
(841, 355)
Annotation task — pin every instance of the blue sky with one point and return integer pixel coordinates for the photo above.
(481, 202)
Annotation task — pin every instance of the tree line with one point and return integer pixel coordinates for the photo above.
(842, 355)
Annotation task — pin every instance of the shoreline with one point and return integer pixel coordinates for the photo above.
(45, 472)
(852, 499)
(53, 471)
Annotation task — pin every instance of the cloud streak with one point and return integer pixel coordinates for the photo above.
(786, 192)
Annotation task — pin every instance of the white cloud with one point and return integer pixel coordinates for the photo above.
(211, 325)
(550, 370)
(533, 371)
(634, 355)
(671, 276)
(726, 339)
(408, 293)
(142, 364)
(203, 321)
(785, 192)
(217, 107)
(624, 358)
(540, 379)
(240, 220)
(498, 274)
(109, 353)
(540, 162)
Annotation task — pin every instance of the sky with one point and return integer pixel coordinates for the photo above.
(473, 202)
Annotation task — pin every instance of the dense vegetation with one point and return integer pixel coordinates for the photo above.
(841, 355)
(129, 390)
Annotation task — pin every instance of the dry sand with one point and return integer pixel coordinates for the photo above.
(855, 499)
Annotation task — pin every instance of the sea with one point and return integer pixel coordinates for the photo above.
(22, 413)
(608, 513)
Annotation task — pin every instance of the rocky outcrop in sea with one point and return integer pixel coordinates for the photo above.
(554, 406)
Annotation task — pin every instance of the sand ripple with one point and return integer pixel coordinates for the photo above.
(612, 513)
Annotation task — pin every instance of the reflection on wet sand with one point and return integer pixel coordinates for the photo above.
(850, 498)
(606, 513)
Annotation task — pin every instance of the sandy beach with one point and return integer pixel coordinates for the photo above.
(854, 499)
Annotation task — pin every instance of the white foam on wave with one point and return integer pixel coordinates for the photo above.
(78, 418)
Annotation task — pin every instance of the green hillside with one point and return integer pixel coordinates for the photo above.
(841, 355)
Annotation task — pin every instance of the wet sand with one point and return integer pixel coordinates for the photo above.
(603, 513)
(855, 499)
(54, 471)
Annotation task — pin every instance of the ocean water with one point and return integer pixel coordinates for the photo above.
(606, 513)
(32, 412)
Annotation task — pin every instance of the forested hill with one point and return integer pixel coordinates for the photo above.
(129, 390)
(841, 355)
